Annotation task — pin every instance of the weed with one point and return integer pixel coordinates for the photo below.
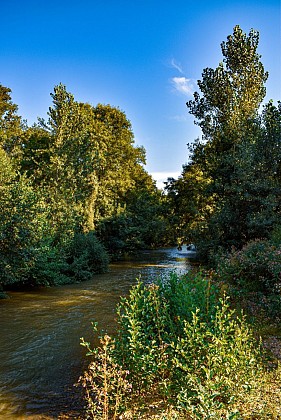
(180, 352)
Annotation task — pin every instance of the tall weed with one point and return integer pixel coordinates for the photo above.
(215, 362)
(106, 386)
(177, 344)
(144, 333)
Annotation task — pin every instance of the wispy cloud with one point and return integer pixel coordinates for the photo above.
(178, 118)
(183, 85)
(176, 65)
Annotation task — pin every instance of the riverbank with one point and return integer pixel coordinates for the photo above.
(40, 352)
(268, 328)
(41, 356)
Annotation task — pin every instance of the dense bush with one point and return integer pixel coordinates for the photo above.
(189, 293)
(21, 229)
(202, 361)
(275, 236)
(50, 266)
(85, 257)
(129, 232)
(256, 267)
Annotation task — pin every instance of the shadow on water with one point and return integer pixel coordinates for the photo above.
(40, 352)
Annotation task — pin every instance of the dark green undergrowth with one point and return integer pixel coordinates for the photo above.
(48, 264)
(180, 351)
(253, 276)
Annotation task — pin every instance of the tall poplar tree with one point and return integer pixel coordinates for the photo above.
(233, 197)
(230, 98)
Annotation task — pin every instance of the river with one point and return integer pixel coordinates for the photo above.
(40, 353)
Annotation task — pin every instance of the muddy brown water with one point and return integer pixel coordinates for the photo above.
(40, 353)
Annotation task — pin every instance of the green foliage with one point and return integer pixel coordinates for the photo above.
(229, 192)
(202, 359)
(11, 125)
(73, 173)
(275, 236)
(189, 207)
(140, 225)
(85, 256)
(50, 267)
(32, 250)
(106, 386)
(256, 267)
(215, 362)
(22, 224)
(145, 326)
(188, 293)
(145, 209)
(231, 93)
(84, 158)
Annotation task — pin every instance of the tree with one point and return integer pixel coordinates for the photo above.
(11, 125)
(22, 224)
(85, 159)
(119, 160)
(232, 93)
(232, 198)
(62, 156)
(189, 206)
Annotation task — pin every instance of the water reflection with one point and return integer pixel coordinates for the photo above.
(40, 352)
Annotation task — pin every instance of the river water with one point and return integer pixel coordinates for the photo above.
(40, 353)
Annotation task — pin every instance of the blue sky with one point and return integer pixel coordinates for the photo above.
(142, 56)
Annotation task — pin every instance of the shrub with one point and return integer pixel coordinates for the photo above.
(214, 363)
(275, 236)
(256, 267)
(49, 267)
(199, 360)
(188, 293)
(86, 256)
(145, 328)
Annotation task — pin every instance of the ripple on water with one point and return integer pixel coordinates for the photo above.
(40, 352)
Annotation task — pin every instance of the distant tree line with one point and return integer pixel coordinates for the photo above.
(73, 192)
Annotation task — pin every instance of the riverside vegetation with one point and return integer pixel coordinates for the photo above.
(184, 347)
(74, 193)
(180, 352)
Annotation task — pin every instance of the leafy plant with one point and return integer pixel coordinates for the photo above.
(215, 362)
(256, 267)
(188, 293)
(50, 266)
(105, 383)
(85, 256)
(201, 361)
